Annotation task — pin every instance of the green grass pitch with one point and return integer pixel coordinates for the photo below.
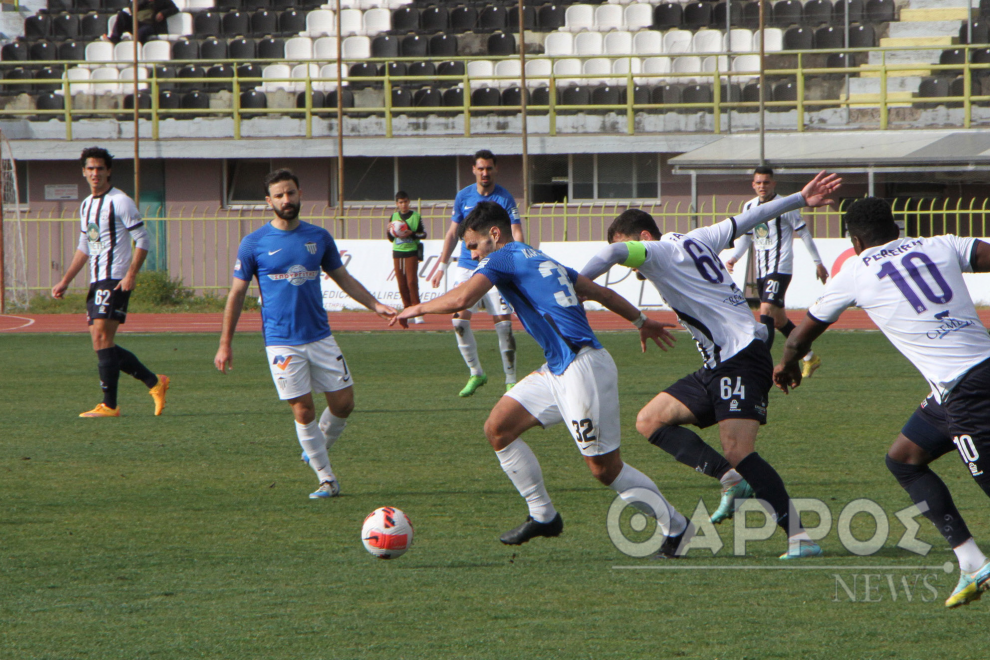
(191, 536)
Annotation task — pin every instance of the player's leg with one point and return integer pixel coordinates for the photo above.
(329, 374)
(506, 341)
(468, 347)
(103, 331)
(412, 282)
(399, 264)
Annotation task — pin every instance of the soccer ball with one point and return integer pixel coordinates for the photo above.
(399, 229)
(387, 533)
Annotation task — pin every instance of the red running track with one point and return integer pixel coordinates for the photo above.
(853, 319)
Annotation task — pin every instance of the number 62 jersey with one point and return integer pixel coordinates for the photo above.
(913, 289)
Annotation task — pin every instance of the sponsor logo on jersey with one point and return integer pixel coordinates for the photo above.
(93, 236)
(947, 326)
(734, 406)
(271, 252)
(282, 361)
(311, 247)
(297, 275)
(761, 233)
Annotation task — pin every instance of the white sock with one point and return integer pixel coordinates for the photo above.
(332, 426)
(314, 443)
(520, 464)
(730, 479)
(810, 356)
(671, 522)
(969, 555)
(797, 538)
(467, 345)
(507, 345)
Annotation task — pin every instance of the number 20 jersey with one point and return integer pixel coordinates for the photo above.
(914, 291)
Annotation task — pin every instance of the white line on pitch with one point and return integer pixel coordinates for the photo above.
(947, 567)
(29, 323)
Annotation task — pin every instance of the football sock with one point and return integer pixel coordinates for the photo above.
(768, 321)
(332, 426)
(810, 356)
(687, 447)
(671, 522)
(730, 479)
(109, 367)
(969, 555)
(507, 346)
(770, 488)
(467, 345)
(132, 366)
(788, 329)
(520, 464)
(924, 486)
(314, 443)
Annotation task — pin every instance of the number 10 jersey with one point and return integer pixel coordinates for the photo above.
(914, 291)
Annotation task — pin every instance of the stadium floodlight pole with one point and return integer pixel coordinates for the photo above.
(340, 126)
(763, 126)
(137, 104)
(522, 96)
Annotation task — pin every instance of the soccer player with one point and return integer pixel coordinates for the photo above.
(406, 251)
(913, 289)
(286, 256)
(578, 385)
(774, 256)
(483, 189)
(109, 220)
(731, 389)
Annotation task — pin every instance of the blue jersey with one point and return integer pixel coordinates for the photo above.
(541, 291)
(287, 265)
(467, 199)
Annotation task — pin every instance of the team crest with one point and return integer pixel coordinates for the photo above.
(93, 232)
(311, 247)
(761, 230)
(282, 361)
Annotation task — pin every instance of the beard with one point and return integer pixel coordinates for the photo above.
(289, 212)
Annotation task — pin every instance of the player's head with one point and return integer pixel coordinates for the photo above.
(633, 225)
(282, 194)
(486, 229)
(763, 183)
(96, 165)
(402, 201)
(870, 222)
(484, 168)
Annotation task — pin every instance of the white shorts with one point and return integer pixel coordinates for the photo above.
(585, 397)
(492, 302)
(299, 370)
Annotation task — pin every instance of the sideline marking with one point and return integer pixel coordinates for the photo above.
(30, 322)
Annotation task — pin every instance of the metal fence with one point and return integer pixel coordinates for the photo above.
(198, 246)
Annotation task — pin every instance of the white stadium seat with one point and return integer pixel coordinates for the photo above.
(377, 21)
(299, 76)
(80, 74)
(559, 44)
(618, 42)
(507, 68)
(677, 41)
(774, 40)
(325, 48)
(329, 71)
(100, 53)
(708, 64)
(623, 66)
(747, 63)
(355, 48)
(567, 67)
(157, 51)
(688, 64)
(127, 79)
(609, 17)
(320, 23)
(480, 72)
(598, 66)
(179, 25)
(105, 80)
(123, 53)
(589, 43)
(639, 16)
(578, 18)
(272, 71)
(738, 40)
(648, 42)
(538, 72)
(298, 48)
(707, 41)
(656, 66)
(351, 22)
(200, 5)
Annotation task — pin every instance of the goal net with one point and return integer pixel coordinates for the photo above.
(14, 253)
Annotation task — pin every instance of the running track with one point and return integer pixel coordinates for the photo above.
(853, 319)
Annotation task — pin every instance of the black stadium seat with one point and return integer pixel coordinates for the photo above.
(784, 91)
(169, 100)
(401, 98)
(512, 97)
(242, 49)
(799, 38)
(346, 99)
(16, 51)
(50, 101)
(262, 22)
(980, 32)
(405, 19)
(837, 61)
(954, 56)
(385, 45)
(933, 88)
(492, 18)
(817, 12)
(291, 22)
(575, 95)
(719, 14)
(362, 70)
(185, 49)
(212, 49)
(236, 23)
(529, 16)
(37, 26)
(19, 74)
(252, 5)
(855, 12)
(696, 94)
(271, 48)
(220, 71)
(697, 15)
(451, 69)
(551, 17)
(195, 100)
(164, 73)
(317, 99)
(980, 56)
(55, 6)
(605, 95)
(486, 97)
(957, 88)
(501, 44)
(829, 37)
(280, 5)
(787, 13)
(751, 94)
(144, 101)
(862, 36)
(115, 5)
(427, 97)
(393, 69)
(414, 45)
(43, 51)
(190, 72)
(92, 26)
(252, 99)
(641, 95)
(463, 18)
(88, 5)
(435, 19)
(443, 45)
(879, 11)
(427, 69)
(53, 74)
(71, 51)
(453, 97)
(730, 93)
(751, 15)
(65, 26)
(206, 24)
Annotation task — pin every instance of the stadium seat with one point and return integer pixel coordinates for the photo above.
(697, 15)
(618, 42)
(696, 94)
(156, 51)
(787, 13)
(443, 45)
(750, 64)
(576, 95)
(127, 78)
(529, 17)
(668, 15)
(421, 69)
(270, 48)
(427, 97)
(105, 80)
(325, 48)
(239, 49)
(837, 61)
(720, 18)
(198, 5)
(587, 44)
(957, 88)
(559, 44)
(164, 74)
(623, 67)
(43, 51)
(346, 98)
(252, 99)
(600, 67)
(784, 91)
(275, 76)
(393, 70)
(817, 12)
(933, 88)
(862, 36)
(71, 51)
(194, 100)
(552, 17)
(707, 41)
(980, 35)
(578, 18)
(564, 71)
(179, 25)
(773, 42)
(512, 97)
(480, 73)
(540, 97)
(207, 24)
(252, 5)
(879, 11)
(22, 75)
(980, 56)
(954, 56)
(855, 12)
(485, 97)
(169, 100)
(38, 26)
(677, 41)
(385, 45)
(376, 21)
(78, 81)
(301, 48)
(405, 19)
(455, 68)
(291, 22)
(501, 44)
(353, 48)
(50, 101)
(655, 70)
(538, 72)
(359, 70)
(65, 26)
(453, 97)
(714, 62)
(605, 95)
(686, 64)
(493, 18)
(730, 93)
(212, 49)
(124, 52)
(183, 49)
(320, 23)
(463, 18)
(261, 22)
(508, 73)
(190, 72)
(301, 72)
(328, 72)
(60, 5)
(435, 18)
(414, 45)
(648, 42)
(638, 16)
(799, 38)
(401, 98)
(97, 51)
(53, 77)
(641, 96)
(829, 37)
(92, 26)
(609, 17)
(739, 40)
(751, 15)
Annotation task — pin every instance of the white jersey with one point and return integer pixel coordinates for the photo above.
(914, 291)
(106, 222)
(774, 241)
(686, 270)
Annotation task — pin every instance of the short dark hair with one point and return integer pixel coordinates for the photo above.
(871, 221)
(402, 194)
(96, 152)
(280, 175)
(632, 222)
(485, 216)
(763, 169)
(484, 154)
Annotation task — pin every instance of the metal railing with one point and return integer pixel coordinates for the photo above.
(801, 67)
(199, 245)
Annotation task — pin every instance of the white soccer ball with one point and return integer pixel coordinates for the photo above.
(400, 229)
(387, 533)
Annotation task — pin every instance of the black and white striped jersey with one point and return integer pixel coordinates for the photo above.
(106, 223)
(774, 242)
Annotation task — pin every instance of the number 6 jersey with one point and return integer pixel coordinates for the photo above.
(914, 291)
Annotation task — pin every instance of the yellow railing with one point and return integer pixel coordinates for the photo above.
(199, 246)
(798, 66)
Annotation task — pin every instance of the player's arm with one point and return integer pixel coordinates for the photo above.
(817, 192)
(981, 257)
(456, 300)
(787, 374)
(231, 314)
(809, 242)
(648, 328)
(627, 254)
(517, 233)
(449, 241)
(742, 244)
(79, 260)
(356, 290)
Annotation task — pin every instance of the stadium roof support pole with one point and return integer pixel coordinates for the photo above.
(522, 95)
(340, 127)
(763, 80)
(137, 104)
(728, 59)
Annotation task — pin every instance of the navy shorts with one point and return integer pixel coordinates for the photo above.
(773, 287)
(735, 389)
(928, 428)
(967, 408)
(106, 302)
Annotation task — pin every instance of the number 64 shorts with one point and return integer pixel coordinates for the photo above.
(585, 397)
(298, 370)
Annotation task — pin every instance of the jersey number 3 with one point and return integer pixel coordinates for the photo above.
(567, 297)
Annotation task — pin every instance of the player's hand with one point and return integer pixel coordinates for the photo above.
(386, 312)
(126, 284)
(407, 313)
(820, 273)
(656, 331)
(437, 277)
(819, 190)
(730, 264)
(224, 359)
(787, 376)
(58, 291)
